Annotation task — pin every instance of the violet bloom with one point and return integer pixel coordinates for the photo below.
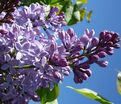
(28, 54)
(87, 50)
(35, 52)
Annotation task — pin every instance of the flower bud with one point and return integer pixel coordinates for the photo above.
(102, 54)
(84, 40)
(63, 62)
(77, 48)
(94, 41)
(102, 63)
(84, 65)
(80, 74)
(110, 44)
(109, 50)
(2, 31)
(87, 71)
(71, 33)
(102, 35)
(77, 79)
(62, 35)
(93, 58)
(116, 45)
(107, 37)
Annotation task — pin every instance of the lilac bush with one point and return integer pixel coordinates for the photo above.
(36, 52)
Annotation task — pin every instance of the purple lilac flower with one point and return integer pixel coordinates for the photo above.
(38, 15)
(87, 50)
(31, 56)
(28, 56)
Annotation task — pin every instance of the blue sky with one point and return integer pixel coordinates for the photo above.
(106, 16)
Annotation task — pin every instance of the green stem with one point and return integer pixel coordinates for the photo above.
(24, 67)
(43, 101)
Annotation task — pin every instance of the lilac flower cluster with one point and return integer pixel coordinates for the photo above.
(6, 8)
(35, 52)
(30, 57)
(87, 50)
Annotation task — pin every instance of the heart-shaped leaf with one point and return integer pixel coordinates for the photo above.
(48, 95)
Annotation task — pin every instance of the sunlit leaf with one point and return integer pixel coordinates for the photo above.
(119, 82)
(82, 13)
(91, 94)
(88, 17)
(55, 1)
(81, 1)
(53, 102)
(49, 2)
(75, 15)
(68, 10)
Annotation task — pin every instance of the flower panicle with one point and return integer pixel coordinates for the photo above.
(36, 52)
(87, 50)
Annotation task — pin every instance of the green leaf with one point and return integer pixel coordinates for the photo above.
(75, 15)
(48, 2)
(0, 102)
(88, 17)
(82, 13)
(48, 95)
(28, 2)
(53, 102)
(79, 2)
(68, 10)
(55, 1)
(91, 94)
(119, 82)
(84, 1)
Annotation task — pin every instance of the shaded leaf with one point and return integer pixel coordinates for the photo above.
(47, 2)
(28, 2)
(48, 95)
(91, 94)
